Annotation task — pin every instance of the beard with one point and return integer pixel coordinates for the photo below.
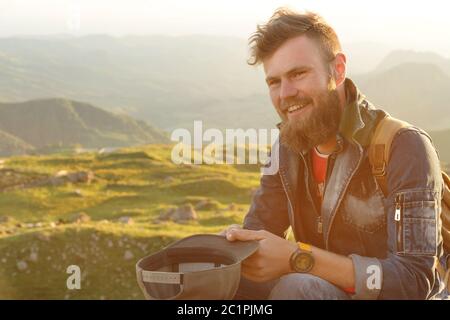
(315, 128)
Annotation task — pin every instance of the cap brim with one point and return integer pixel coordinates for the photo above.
(238, 249)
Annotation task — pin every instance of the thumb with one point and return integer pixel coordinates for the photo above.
(244, 235)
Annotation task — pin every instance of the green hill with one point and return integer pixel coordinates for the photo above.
(40, 236)
(11, 145)
(38, 124)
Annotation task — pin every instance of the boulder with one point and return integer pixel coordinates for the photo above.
(80, 217)
(128, 255)
(207, 205)
(5, 219)
(182, 213)
(22, 265)
(126, 220)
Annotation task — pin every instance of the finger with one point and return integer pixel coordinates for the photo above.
(233, 226)
(244, 235)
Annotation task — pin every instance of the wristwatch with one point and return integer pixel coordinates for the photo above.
(302, 260)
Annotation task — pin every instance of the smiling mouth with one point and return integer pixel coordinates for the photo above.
(296, 107)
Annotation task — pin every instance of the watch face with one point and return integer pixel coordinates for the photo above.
(303, 262)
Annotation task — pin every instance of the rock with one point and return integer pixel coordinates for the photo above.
(63, 176)
(76, 193)
(22, 265)
(81, 176)
(169, 179)
(110, 244)
(62, 173)
(55, 181)
(167, 215)
(126, 220)
(5, 219)
(184, 213)
(80, 217)
(207, 205)
(33, 257)
(128, 255)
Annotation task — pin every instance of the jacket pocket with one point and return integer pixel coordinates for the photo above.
(415, 222)
(366, 214)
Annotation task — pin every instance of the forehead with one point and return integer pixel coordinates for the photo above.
(297, 52)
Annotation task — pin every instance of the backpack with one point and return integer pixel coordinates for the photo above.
(378, 158)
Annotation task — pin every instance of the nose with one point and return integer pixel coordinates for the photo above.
(287, 90)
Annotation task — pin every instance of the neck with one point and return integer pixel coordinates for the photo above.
(327, 147)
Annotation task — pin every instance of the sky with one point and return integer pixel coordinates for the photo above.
(418, 25)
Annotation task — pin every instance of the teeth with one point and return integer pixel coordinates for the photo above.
(295, 107)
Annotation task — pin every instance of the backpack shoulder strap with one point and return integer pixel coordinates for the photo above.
(380, 147)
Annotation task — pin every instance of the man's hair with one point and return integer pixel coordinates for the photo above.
(286, 24)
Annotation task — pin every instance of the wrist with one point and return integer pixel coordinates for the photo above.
(302, 260)
(293, 247)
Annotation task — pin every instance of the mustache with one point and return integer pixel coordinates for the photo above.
(285, 104)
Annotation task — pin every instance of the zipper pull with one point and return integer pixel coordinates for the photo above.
(398, 209)
(319, 225)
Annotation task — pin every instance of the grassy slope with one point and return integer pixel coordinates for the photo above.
(132, 184)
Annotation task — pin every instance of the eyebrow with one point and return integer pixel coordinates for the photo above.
(290, 72)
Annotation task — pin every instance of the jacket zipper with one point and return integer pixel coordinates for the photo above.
(398, 223)
(308, 191)
(282, 177)
(330, 164)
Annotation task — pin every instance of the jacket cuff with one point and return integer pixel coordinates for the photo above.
(368, 277)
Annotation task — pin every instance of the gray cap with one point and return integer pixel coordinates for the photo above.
(203, 267)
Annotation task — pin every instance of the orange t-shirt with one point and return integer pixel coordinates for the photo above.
(319, 167)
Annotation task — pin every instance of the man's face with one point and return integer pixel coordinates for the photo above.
(303, 93)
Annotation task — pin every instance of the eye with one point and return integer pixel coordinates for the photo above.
(273, 83)
(298, 74)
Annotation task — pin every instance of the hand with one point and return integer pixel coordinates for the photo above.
(270, 261)
(233, 226)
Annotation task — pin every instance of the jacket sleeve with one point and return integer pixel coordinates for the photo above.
(269, 208)
(413, 198)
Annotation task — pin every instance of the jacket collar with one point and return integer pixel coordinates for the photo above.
(359, 116)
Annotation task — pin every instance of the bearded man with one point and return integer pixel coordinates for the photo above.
(352, 241)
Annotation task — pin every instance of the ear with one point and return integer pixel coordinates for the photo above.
(340, 68)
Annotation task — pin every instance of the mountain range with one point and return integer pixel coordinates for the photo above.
(171, 81)
(35, 125)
